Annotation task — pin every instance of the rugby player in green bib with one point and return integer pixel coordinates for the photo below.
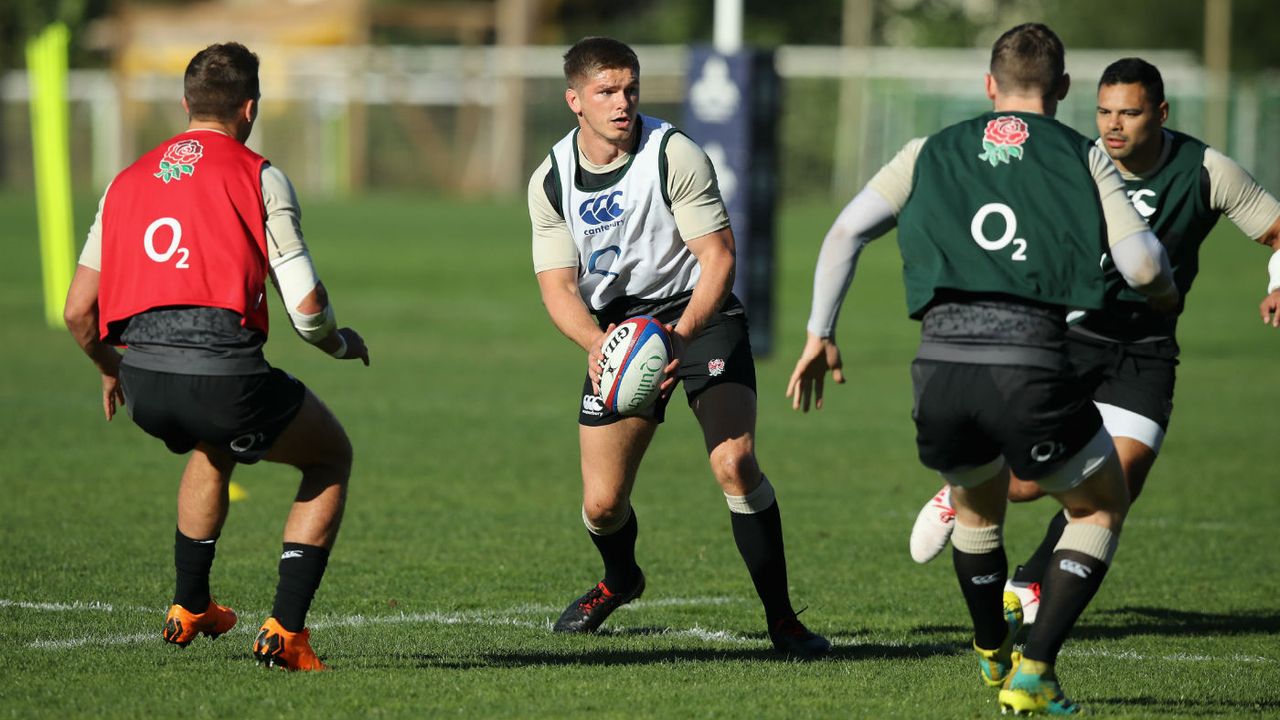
(1001, 220)
(1126, 353)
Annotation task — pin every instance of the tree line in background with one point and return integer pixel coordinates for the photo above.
(1155, 24)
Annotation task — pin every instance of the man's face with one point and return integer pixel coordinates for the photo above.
(607, 102)
(1127, 121)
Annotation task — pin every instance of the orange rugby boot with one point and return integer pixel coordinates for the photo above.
(277, 647)
(181, 625)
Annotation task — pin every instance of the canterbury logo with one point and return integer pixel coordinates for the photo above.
(1138, 198)
(290, 554)
(986, 579)
(1075, 568)
(601, 208)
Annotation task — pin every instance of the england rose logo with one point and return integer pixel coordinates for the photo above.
(715, 367)
(1003, 139)
(180, 159)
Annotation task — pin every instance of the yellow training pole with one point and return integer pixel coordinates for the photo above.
(47, 76)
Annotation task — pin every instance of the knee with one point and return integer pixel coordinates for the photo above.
(1136, 479)
(341, 455)
(605, 516)
(735, 468)
(1024, 491)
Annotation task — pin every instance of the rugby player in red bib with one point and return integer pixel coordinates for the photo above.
(174, 269)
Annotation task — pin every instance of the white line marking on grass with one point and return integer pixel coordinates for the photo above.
(507, 618)
(532, 609)
(79, 642)
(511, 617)
(427, 618)
(1184, 524)
(1185, 657)
(58, 607)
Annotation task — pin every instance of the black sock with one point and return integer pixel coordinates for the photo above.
(982, 583)
(618, 550)
(759, 539)
(301, 567)
(1064, 593)
(192, 559)
(1033, 569)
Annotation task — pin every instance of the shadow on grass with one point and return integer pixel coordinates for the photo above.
(1133, 620)
(1145, 620)
(1189, 707)
(842, 651)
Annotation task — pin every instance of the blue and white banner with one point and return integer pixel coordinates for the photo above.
(731, 110)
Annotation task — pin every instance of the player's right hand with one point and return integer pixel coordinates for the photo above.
(1270, 309)
(595, 358)
(818, 356)
(1167, 302)
(112, 395)
(356, 349)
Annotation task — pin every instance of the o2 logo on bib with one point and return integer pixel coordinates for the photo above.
(1006, 239)
(173, 248)
(601, 210)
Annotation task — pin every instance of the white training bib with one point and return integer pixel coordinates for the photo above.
(626, 235)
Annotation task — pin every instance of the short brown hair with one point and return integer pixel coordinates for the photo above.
(1028, 59)
(219, 79)
(1129, 71)
(593, 54)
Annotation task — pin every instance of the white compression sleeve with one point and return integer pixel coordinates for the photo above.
(867, 216)
(295, 276)
(1143, 263)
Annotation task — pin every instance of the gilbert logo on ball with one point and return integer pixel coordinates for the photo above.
(634, 355)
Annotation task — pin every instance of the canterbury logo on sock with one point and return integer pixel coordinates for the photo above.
(290, 554)
(986, 579)
(1075, 568)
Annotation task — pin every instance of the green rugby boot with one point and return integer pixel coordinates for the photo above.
(995, 665)
(1028, 693)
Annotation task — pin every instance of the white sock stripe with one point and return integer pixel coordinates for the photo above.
(1092, 540)
(760, 499)
(609, 530)
(977, 541)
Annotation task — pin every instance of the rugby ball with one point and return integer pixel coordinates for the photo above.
(631, 365)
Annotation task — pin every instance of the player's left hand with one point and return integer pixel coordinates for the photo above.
(809, 376)
(1270, 309)
(112, 395)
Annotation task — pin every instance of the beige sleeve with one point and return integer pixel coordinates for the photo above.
(1121, 219)
(1234, 191)
(552, 245)
(284, 216)
(693, 189)
(893, 181)
(91, 253)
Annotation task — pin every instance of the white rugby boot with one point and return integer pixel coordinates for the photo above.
(1029, 594)
(932, 531)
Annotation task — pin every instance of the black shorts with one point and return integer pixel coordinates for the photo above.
(242, 414)
(968, 414)
(1138, 377)
(719, 354)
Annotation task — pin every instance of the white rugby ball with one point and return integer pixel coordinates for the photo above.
(634, 355)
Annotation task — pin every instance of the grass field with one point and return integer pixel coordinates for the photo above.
(462, 539)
